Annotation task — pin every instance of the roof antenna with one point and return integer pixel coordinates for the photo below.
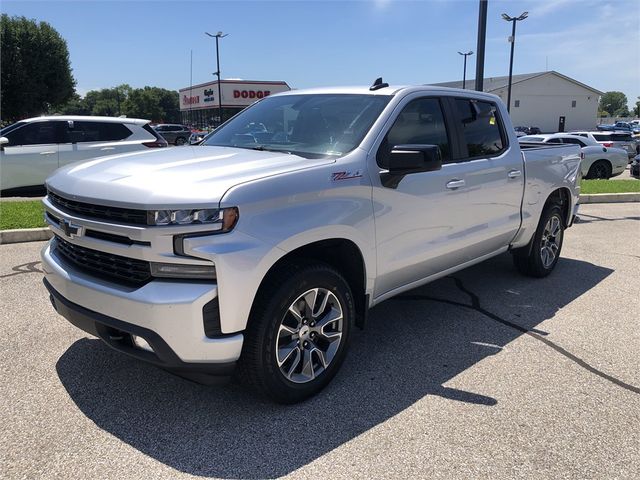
(378, 84)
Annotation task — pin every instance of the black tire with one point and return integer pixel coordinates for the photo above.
(599, 169)
(258, 366)
(531, 260)
(181, 141)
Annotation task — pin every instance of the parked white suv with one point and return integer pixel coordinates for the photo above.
(32, 149)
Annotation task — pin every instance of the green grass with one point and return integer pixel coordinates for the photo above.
(609, 186)
(27, 214)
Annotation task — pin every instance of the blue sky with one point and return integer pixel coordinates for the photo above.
(321, 43)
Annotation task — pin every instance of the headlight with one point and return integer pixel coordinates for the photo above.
(223, 219)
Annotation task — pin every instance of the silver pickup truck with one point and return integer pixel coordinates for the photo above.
(260, 250)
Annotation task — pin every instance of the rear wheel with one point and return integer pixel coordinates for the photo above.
(181, 141)
(539, 258)
(599, 169)
(298, 332)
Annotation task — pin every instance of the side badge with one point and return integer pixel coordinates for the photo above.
(335, 176)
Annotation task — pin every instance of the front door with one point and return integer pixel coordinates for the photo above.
(420, 222)
(31, 154)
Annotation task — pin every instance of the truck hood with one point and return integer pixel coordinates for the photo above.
(171, 178)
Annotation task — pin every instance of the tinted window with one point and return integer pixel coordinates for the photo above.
(573, 141)
(99, 131)
(420, 122)
(601, 138)
(480, 128)
(10, 128)
(38, 133)
(620, 137)
(554, 140)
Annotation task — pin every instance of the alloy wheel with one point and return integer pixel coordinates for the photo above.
(309, 335)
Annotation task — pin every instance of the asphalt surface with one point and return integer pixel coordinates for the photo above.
(486, 374)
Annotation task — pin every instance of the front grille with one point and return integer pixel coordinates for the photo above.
(104, 265)
(102, 212)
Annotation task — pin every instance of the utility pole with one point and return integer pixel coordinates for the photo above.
(482, 36)
(218, 36)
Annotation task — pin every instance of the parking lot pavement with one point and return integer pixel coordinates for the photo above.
(485, 374)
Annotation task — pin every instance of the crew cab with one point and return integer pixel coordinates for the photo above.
(259, 251)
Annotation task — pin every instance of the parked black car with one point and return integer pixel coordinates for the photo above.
(173, 133)
(528, 130)
(634, 169)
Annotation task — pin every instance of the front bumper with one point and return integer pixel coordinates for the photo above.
(117, 335)
(166, 313)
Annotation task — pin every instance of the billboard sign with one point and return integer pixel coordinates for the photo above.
(235, 93)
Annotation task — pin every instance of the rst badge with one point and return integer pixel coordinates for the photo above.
(335, 176)
(70, 229)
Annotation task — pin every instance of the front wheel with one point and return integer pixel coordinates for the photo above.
(539, 258)
(181, 141)
(298, 332)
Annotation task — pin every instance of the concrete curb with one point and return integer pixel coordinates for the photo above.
(25, 235)
(610, 198)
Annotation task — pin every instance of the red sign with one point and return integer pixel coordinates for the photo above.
(190, 100)
(251, 93)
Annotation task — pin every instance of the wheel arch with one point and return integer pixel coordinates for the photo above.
(341, 254)
(562, 197)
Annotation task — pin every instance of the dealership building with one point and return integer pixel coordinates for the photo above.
(199, 104)
(548, 100)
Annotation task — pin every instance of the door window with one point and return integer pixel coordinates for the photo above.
(421, 122)
(38, 133)
(481, 128)
(573, 141)
(99, 131)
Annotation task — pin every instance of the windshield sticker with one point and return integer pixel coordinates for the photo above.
(346, 175)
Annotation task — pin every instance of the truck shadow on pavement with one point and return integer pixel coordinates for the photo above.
(412, 346)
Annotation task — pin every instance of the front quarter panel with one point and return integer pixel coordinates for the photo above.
(280, 214)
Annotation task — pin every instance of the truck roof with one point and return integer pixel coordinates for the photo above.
(390, 90)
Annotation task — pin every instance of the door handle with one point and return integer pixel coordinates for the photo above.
(514, 174)
(455, 184)
(107, 148)
(47, 153)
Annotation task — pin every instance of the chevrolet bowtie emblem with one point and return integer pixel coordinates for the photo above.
(71, 230)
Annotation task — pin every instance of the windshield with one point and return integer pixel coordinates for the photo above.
(311, 126)
(10, 128)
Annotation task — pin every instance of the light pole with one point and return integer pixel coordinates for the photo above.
(464, 71)
(218, 36)
(512, 39)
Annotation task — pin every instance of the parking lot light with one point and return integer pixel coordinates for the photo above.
(218, 36)
(512, 39)
(464, 71)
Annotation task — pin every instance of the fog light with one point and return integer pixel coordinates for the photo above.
(141, 343)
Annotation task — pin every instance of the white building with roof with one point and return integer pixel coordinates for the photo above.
(544, 99)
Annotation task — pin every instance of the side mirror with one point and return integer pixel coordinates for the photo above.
(405, 159)
(3, 141)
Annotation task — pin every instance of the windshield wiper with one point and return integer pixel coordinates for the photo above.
(262, 148)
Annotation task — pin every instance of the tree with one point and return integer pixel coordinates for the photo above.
(637, 108)
(36, 72)
(156, 104)
(153, 103)
(614, 103)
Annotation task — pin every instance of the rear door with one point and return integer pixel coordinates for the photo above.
(31, 154)
(90, 139)
(492, 178)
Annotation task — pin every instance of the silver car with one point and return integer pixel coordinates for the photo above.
(623, 140)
